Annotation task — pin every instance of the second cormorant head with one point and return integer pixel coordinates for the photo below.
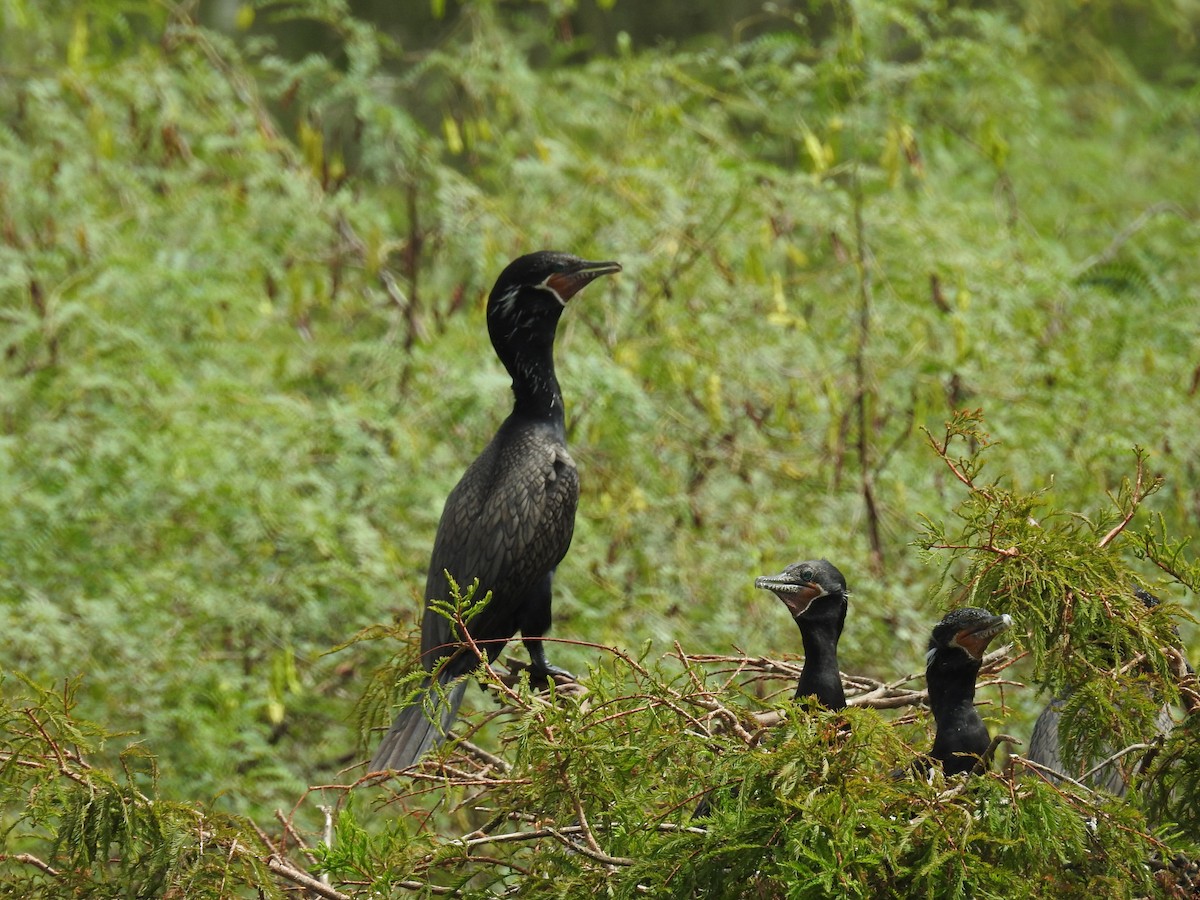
(969, 631)
(956, 650)
(815, 594)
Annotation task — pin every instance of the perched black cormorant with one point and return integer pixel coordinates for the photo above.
(956, 650)
(509, 520)
(1044, 746)
(815, 594)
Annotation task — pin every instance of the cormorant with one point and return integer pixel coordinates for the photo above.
(508, 522)
(1044, 746)
(956, 650)
(815, 594)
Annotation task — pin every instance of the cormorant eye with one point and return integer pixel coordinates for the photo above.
(807, 574)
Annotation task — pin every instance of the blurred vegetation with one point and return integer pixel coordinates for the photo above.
(242, 273)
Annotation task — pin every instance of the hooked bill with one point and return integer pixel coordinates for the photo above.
(566, 284)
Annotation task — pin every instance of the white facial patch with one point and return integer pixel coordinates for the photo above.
(547, 286)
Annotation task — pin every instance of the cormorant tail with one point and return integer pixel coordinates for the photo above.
(419, 726)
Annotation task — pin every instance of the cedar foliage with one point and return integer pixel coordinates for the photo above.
(243, 362)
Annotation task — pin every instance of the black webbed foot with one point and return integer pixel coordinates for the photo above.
(540, 668)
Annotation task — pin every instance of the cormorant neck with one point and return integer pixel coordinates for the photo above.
(536, 394)
(961, 733)
(820, 676)
(951, 693)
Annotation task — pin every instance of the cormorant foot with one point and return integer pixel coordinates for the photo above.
(539, 667)
(547, 672)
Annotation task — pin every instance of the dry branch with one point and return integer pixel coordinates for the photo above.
(30, 860)
(288, 870)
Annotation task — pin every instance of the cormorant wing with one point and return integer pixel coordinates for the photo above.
(508, 522)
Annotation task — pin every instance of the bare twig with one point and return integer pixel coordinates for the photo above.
(291, 832)
(58, 752)
(1048, 774)
(21, 761)
(943, 452)
(488, 759)
(1000, 551)
(265, 838)
(562, 835)
(863, 391)
(1132, 748)
(30, 860)
(585, 827)
(414, 885)
(1122, 237)
(597, 855)
(564, 685)
(1137, 494)
(477, 838)
(860, 690)
(985, 761)
(1185, 679)
(327, 835)
(288, 870)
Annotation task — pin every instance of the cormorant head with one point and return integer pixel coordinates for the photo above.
(813, 591)
(532, 292)
(962, 637)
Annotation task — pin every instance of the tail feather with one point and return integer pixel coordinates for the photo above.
(418, 727)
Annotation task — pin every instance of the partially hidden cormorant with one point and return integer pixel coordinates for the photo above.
(956, 650)
(815, 594)
(1045, 747)
(508, 522)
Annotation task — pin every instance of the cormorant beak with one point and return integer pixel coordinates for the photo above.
(974, 640)
(797, 596)
(569, 282)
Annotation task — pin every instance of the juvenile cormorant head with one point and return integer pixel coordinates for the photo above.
(813, 591)
(962, 637)
(815, 594)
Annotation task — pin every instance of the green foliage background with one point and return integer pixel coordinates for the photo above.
(243, 358)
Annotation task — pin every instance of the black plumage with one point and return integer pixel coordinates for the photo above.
(956, 650)
(509, 520)
(815, 594)
(1046, 749)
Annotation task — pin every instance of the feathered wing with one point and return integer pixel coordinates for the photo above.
(1045, 747)
(508, 522)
